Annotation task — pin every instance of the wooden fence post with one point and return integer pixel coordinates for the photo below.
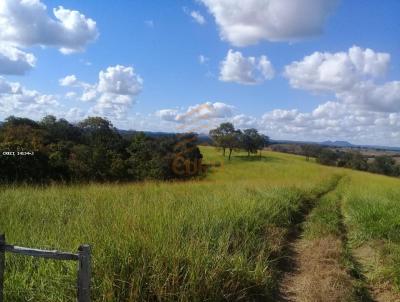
(2, 264)
(84, 274)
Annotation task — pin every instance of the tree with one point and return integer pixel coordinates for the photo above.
(226, 137)
(310, 150)
(353, 160)
(327, 157)
(60, 130)
(251, 141)
(383, 165)
(55, 150)
(100, 132)
(219, 135)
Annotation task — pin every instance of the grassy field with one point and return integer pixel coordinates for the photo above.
(220, 238)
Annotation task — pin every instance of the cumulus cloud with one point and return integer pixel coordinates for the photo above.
(14, 61)
(368, 95)
(243, 23)
(120, 80)
(114, 93)
(332, 120)
(70, 80)
(351, 76)
(245, 70)
(17, 100)
(197, 118)
(27, 23)
(335, 121)
(167, 114)
(365, 110)
(336, 71)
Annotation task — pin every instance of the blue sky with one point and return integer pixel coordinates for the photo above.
(161, 42)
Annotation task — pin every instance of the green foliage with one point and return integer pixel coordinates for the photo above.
(353, 160)
(92, 150)
(227, 137)
(251, 141)
(384, 165)
(327, 157)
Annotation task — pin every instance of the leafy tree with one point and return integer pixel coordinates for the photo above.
(251, 141)
(100, 132)
(60, 130)
(353, 160)
(225, 137)
(383, 165)
(93, 150)
(327, 157)
(310, 150)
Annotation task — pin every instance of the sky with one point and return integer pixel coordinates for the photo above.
(310, 70)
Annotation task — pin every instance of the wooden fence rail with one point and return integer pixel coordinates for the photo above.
(83, 257)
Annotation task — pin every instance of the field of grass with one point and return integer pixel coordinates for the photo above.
(371, 208)
(220, 238)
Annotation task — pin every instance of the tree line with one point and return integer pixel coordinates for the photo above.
(92, 150)
(226, 137)
(354, 160)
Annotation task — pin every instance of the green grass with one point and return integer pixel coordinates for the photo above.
(372, 214)
(214, 239)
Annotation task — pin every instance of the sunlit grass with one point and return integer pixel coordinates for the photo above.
(372, 214)
(211, 239)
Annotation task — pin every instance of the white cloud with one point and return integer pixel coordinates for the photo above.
(350, 75)
(111, 105)
(74, 114)
(243, 23)
(167, 114)
(71, 95)
(368, 95)
(89, 93)
(336, 71)
(266, 68)
(245, 70)
(205, 111)
(333, 121)
(198, 17)
(14, 61)
(199, 118)
(114, 93)
(242, 121)
(120, 80)
(25, 23)
(17, 100)
(70, 80)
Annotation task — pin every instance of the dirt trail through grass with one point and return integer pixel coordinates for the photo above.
(320, 266)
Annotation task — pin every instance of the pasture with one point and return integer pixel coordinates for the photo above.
(224, 237)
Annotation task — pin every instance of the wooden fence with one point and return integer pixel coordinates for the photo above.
(83, 257)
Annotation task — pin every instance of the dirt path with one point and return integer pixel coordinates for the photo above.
(314, 271)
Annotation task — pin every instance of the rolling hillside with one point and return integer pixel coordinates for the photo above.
(277, 228)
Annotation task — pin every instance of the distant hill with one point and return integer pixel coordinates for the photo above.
(342, 144)
(338, 144)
